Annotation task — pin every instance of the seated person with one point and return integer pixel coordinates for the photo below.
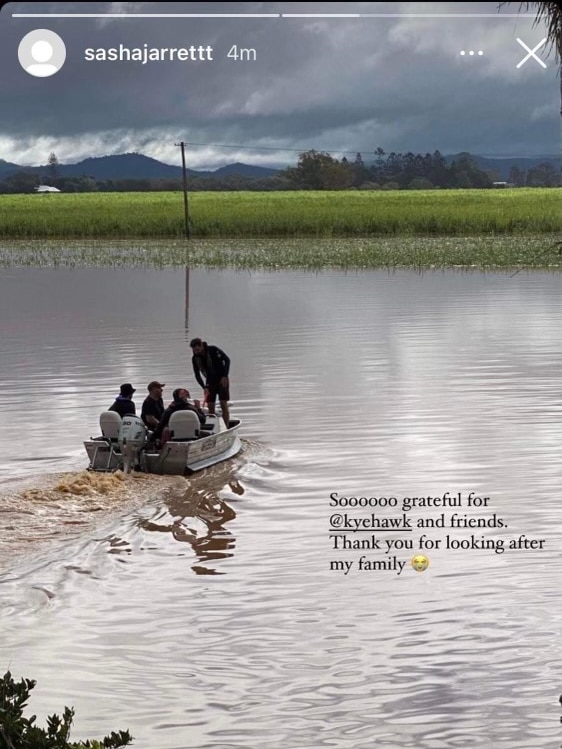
(123, 404)
(153, 405)
(180, 403)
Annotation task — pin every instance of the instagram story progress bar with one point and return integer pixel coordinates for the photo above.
(273, 15)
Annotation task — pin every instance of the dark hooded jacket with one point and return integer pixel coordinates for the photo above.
(177, 405)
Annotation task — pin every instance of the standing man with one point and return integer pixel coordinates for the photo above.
(153, 405)
(211, 367)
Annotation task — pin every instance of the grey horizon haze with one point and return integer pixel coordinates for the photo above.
(337, 84)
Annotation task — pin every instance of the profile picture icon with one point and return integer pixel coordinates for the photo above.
(41, 53)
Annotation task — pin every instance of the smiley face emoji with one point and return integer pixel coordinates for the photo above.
(420, 563)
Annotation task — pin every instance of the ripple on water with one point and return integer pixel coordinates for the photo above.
(206, 608)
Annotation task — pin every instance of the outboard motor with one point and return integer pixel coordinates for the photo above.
(132, 437)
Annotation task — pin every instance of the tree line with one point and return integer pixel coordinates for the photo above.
(409, 171)
(315, 170)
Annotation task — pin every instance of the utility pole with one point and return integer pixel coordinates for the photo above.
(185, 204)
(187, 231)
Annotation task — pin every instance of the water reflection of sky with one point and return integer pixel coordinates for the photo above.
(365, 383)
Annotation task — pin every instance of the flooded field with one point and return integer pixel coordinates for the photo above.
(206, 611)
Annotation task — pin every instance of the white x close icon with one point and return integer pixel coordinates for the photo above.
(531, 53)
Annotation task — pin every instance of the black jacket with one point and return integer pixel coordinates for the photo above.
(123, 406)
(210, 366)
(172, 408)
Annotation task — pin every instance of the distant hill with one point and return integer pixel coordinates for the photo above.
(138, 166)
(122, 166)
(502, 165)
(7, 168)
(244, 170)
(133, 166)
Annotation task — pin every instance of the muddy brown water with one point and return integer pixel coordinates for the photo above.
(204, 612)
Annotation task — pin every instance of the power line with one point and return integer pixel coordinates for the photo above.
(274, 148)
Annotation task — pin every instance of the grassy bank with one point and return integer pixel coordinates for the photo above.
(452, 213)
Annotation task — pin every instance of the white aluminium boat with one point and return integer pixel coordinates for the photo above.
(125, 444)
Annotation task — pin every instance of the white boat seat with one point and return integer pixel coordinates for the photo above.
(110, 424)
(184, 425)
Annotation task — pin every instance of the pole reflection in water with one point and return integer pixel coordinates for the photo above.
(186, 299)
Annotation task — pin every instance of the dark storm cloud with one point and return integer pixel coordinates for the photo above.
(336, 84)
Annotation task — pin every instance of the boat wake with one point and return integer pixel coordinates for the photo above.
(58, 508)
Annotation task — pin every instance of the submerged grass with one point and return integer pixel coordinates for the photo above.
(354, 213)
(309, 254)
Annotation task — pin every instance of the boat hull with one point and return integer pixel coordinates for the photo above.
(176, 458)
(180, 458)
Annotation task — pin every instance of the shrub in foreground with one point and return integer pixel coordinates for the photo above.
(17, 732)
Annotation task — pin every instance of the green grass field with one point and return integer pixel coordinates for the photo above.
(354, 213)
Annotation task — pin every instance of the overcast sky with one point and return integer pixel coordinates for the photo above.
(332, 84)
